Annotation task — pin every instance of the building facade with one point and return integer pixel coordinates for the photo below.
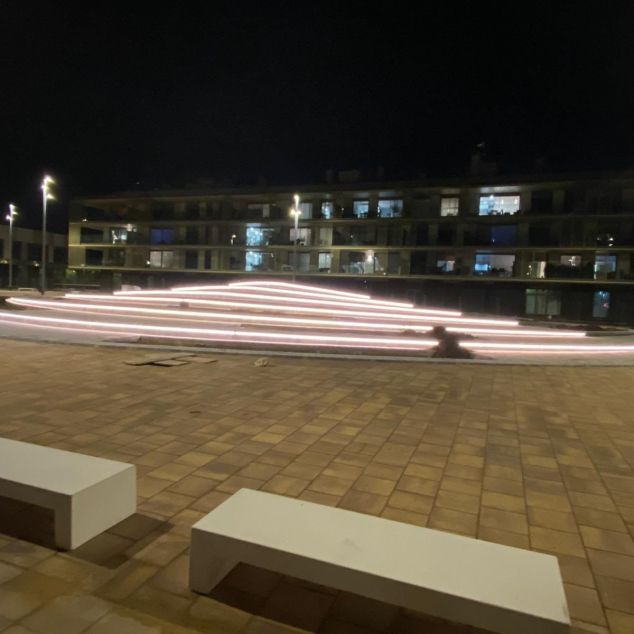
(26, 252)
(555, 247)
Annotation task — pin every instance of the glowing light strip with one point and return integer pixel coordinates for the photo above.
(209, 333)
(287, 285)
(260, 296)
(543, 347)
(188, 315)
(518, 333)
(239, 294)
(300, 309)
(207, 315)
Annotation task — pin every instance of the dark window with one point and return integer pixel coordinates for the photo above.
(17, 250)
(59, 255)
(542, 202)
(422, 235)
(446, 234)
(161, 236)
(94, 257)
(207, 259)
(191, 259)
(34, 252)
(504, 235)
(90, 236)
(191, 235)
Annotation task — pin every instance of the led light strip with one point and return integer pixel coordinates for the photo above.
(544, 347)
(233, 335)
(190, 315)
(296, 309)
(207, 316)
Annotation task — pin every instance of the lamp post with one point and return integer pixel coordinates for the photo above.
(296, 213)
(12, 213)
(47, 181)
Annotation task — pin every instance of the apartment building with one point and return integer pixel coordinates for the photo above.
(26, 251)
(543, 246)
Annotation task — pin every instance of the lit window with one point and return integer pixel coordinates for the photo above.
(302, 235)
(360, 208)
(324, 262)
(499, 205)
(449, 206)
(390, 208)
(494, 264)
(118, 235)
(604, 266)
(542, 302)
(327, 210)
(601, 304)
(306, 210)
(161, 259)
(571, 260)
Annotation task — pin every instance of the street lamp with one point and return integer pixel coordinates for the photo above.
(12, 213)
(296, 213)
(47, 181)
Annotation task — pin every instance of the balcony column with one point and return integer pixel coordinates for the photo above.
(334, 262)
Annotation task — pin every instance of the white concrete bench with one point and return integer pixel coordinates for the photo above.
(503, 589)
(87, 494)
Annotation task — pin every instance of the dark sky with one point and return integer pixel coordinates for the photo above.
(104, 96)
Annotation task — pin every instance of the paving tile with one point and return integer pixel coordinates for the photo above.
(549, 518)
(556, 542)
(620, 622)
(363, 502)
(453, 521)
(613, 541)
(610, 564)
(503, 520)
(584, 604)
(599, 519)
(378, 486)
(503, 502)
(67, 614)
(411, 502)
(616, 594)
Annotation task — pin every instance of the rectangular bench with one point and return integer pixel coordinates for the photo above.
(87, 494)
(503, 589)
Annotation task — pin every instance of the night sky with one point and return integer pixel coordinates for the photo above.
(109, 98)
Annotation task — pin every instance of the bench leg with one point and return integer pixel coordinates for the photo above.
(63, 521)
(207, 567)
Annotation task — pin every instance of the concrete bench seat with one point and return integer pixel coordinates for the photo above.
(469, 581)
(88, 495)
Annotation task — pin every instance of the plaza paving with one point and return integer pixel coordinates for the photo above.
(534, 457)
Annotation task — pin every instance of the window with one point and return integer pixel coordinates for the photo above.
(327, 210)
(390, 208)
(256, 236)
(499, 205)
(207, 259)
(306, 210)
(449, 206)
(604, 267)
(34, 251)
(191, 259)
(59, 255)
(325, 236)
(161, 259)
(360, 208)
(601, 304)
(90, 236)
(118, 235)
(504, 235)
(258, 210)
(161, 236)
(537, 269)
(324, 262)
(571, 260)
(258, 261)
(494, 264)
(542, 302)
(446, 265)
(542, 202)
(302, 235)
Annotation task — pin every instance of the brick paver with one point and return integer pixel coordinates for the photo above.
(533, 457)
